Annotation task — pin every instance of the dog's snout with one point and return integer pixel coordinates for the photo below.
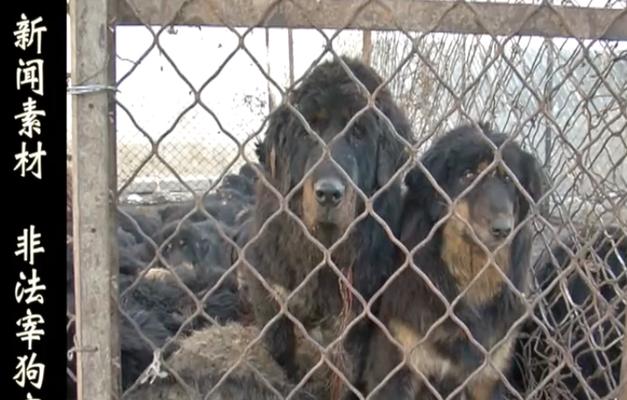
(329, 191)
(501, 227)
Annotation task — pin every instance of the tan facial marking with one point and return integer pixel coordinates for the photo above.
(465, 258)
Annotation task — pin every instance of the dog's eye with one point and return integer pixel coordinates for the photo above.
(468, 175)
(506, 178)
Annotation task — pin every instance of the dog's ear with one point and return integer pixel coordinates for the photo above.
(268, 149)
(391, 151)
(420, 188)
(533, 181)
(390, 157)
(486, 127)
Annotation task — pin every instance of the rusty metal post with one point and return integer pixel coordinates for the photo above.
(94, 179)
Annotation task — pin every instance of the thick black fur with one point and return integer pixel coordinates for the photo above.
(197, 254)
(195, 247)
(247, 170)
(596, 282)
(409, 306)
(283, 255)
(134, 258)
(149, 223)
(166, 298)
(223, 204)
(136, 352)
(159, 305)
(240, 183)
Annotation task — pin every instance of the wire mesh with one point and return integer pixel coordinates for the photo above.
(231, 287)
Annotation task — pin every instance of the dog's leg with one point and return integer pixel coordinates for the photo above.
(281, 344)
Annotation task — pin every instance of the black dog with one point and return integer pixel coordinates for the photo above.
(580, 317)
(369, 152)
(489, 215)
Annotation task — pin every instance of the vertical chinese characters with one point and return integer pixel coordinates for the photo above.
(26, 32)
(28, 291)
(30, 77)
(30, 359)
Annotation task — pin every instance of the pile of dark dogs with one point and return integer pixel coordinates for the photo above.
(325, 274)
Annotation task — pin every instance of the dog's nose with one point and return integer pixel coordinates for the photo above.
(501, 227)
(329, 191)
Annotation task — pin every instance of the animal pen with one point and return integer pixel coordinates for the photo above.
(552, 74)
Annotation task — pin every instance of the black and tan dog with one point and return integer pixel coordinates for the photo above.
(472, 257)
(367, 150)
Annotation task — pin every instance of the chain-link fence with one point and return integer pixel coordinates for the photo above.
(376, 199)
